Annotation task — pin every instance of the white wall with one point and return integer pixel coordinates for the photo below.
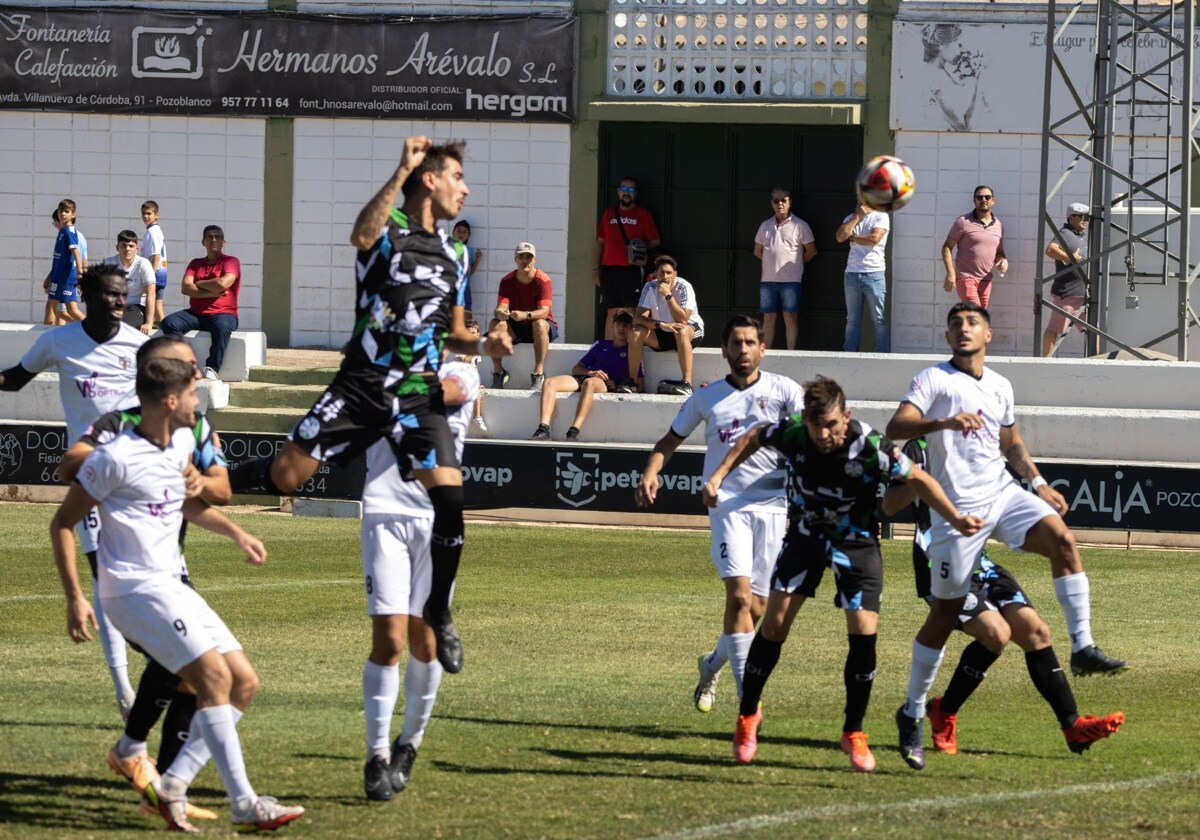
(199, 170)
(517, 175)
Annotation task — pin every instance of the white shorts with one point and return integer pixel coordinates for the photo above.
(171, 623)
(397, 569)
(746, 543)
(1009, 517)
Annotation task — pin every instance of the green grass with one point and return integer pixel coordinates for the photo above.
(573, 716)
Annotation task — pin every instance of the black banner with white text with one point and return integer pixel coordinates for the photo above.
(490, 68)
(602, 478)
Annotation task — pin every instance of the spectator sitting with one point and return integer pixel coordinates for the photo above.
(667, 319)
(605, 363)
(139, 282)
(212, 282)
(523, 311)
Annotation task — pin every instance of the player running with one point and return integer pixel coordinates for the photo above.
(965, 412)
(408, 309)
(396, 527)
(138, 483)
(996, 610)
(96, 361)
(751, 513)
(835, 467)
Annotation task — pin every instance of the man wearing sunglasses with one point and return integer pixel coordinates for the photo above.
(624, 238)
(979, 239)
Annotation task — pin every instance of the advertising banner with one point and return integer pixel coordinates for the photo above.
(261, 64)
(602, 478)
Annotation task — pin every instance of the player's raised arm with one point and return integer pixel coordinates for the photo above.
(741, 450)
(647, 489)
(373, 216)
(932, 494)
(62, 540)
(211, 519)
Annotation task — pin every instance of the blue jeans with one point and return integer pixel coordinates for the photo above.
(773, 297)
(219, 327)
(870, 286)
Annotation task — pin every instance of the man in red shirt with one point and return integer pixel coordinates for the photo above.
(623, 239)
(523, 311)
(212, 282)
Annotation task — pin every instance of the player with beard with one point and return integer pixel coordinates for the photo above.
(408, 309)
(965, 412)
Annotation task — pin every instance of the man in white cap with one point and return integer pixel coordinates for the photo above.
(523, 311)
(1069, 289)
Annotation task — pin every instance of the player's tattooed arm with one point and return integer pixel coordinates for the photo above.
(373, 216)
(1017, 455)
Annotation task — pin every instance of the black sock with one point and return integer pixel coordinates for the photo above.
(859, 675)
(446, 547)
(176, 726)
(971, 671)
(91, 558)
(1051, 682)
(254, 476)
(760, 662)
(154, 692)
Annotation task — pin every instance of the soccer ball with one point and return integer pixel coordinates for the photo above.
(885, 183)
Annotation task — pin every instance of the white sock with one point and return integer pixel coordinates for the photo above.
(720, 654)
(922, 673)
(380, 688)
(421, 682)
(737, 646)
(1074, 595)
(127, 747)
(195, 753)
(219, 729)
(113, 644)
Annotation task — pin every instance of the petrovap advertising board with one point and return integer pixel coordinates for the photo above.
(506, 68)
(602, 478)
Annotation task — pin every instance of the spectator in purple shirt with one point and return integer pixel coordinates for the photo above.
(605, 364)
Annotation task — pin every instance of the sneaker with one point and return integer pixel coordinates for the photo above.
(1088, 729)
(193, 812)
(266, 814)
(209, 374)
(500, 379)
(400, 770)
(854, 744)
(573, 433)
(685, 388)
(173, 811)
(629, 386)
(138, 770)
(706, 689)
(375, 780)
(945, 728)
(1091, 660)
(449, 643)
(536, 380)
(125, 705)
(745, 737)
(541, 433)
(479, 422)
(912, 739)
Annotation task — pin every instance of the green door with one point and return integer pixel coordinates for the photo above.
(708, 187)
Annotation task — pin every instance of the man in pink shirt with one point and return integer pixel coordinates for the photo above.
(212, 283)
(979, 238)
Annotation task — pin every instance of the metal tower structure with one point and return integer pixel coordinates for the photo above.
(1142, 96)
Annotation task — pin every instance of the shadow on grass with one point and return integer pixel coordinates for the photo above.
(30, 799)
(60, 724)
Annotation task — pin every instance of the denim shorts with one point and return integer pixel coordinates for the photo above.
(775, 297)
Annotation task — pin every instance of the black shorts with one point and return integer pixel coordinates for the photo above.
(667, 339)
(522, 331)
(347, 420)
(856, 562)
(621, 286)
(992, 589)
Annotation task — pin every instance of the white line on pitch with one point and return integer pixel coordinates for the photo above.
(825, 812)
(204, 590)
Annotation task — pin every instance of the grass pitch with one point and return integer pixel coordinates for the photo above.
(574, 718)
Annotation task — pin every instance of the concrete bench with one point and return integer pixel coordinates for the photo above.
(247, 348)
(1064, 383)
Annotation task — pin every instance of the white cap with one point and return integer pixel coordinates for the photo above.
(1078, 208)
(525, 248)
